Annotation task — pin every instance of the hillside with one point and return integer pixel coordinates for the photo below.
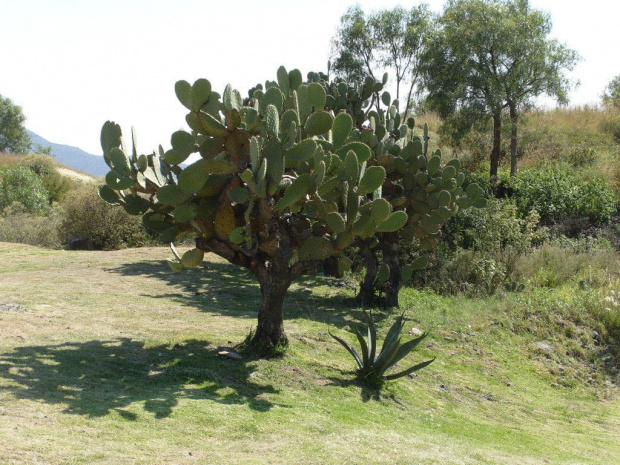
(73, 157)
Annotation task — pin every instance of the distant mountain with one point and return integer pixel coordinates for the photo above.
(73, 157)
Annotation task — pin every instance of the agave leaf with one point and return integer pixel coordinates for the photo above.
(363, 346)
(350, 349)
(372, 337)
(405, 350)
(394, 333)
(385, 357)
(408, 371)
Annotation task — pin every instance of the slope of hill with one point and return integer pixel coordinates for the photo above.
(73, 157)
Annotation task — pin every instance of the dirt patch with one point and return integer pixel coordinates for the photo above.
(75, 175)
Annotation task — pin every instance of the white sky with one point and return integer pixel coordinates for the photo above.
(71, 65)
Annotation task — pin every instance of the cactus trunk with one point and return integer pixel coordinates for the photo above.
(389, 246)
(366, 294)
(274, 283)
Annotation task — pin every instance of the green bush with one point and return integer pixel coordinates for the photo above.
(23, 186)
(56, 184)
(479, 249)
(556, 193)
(86, 216)
(19, 226)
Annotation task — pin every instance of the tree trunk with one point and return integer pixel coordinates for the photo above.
(513, 140)
(368, 291)
(274, 283)
(389, 245)
(495, 152)
(366, 294)
(330, 267)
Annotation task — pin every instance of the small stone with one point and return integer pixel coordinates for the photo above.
(544, 346)
(416, 332)
(231, 354)
(5, 307)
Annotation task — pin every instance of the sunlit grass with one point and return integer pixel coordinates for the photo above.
(110, 358)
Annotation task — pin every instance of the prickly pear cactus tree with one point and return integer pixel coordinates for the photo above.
(277, 181)
(420, 191)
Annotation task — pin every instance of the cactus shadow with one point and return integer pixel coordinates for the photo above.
(98, 378)
(229, 290)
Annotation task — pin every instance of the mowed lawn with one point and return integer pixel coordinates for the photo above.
(110, 358)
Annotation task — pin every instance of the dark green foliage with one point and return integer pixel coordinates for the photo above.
(21, 185)
(556, 193)
(372, 363)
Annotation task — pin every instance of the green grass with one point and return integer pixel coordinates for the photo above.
(110, 358)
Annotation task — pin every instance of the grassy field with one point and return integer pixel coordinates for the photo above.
(107, 357)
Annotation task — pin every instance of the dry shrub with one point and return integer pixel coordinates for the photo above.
(106, 227)
(19, 226)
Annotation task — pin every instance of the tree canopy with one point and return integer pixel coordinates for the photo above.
(384, 41)
(13, 135)
(492, 56)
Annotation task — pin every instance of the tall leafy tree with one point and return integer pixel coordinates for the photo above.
(13, 135)
(494, 56)
(389, 41)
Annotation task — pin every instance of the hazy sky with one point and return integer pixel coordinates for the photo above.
(71, 65)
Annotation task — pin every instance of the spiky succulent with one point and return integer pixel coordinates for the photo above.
(372, 366)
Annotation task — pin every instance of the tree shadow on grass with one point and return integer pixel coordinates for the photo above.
(228, 290)
(97, 377)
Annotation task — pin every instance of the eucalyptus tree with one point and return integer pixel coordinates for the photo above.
(488, 57)
(389, 40)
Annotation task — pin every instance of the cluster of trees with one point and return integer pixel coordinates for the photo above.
(476, 61)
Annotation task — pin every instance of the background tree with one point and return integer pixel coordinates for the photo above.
(611, 94)
(389, 41)
(13, 135)
(491, 56)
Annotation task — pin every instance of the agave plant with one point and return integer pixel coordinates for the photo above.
(372, 367)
